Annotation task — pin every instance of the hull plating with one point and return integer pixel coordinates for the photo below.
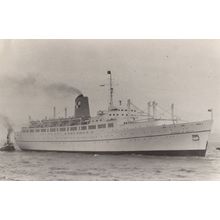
(182, 139)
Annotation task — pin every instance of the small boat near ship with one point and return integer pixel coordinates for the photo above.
(9, 145)
(119, 129)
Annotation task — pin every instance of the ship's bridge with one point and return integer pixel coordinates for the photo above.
(121, 113)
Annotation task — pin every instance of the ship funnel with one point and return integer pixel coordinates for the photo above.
(82, 107)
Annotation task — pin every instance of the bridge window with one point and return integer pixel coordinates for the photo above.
(52, 129)
(102, 126)
(92, 126)
(83, 127)
(62, 129)
(43, 130)
(110, 125)
(73, 128)
(37, 130)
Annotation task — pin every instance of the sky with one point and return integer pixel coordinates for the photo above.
(184, 72)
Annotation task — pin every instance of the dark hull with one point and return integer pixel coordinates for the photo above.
(182, 153)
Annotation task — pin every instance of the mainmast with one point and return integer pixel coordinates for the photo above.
(111, 91)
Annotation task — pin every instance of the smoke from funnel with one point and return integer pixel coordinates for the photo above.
(60, 88)
(33, 85)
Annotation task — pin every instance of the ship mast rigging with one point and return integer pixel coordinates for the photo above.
(111, 106)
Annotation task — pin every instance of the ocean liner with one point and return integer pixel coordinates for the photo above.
(122, 128)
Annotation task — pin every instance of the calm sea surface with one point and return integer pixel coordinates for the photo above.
(22, 165)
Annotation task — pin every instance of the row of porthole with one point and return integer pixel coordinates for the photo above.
(83, 127)
(61, 132)
(136, 139)
(86, 132)
(68, 133)
(170, 136)
(118, 114)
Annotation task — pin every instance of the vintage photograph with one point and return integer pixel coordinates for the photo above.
(109, 110)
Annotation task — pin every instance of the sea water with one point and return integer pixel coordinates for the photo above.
(31, 165)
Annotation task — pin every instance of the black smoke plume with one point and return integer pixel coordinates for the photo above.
(60, 88)
(32, 85)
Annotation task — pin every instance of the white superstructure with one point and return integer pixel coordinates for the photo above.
(120, 129)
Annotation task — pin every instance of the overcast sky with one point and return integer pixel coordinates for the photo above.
(184, 72)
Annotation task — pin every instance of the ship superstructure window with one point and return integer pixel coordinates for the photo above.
(73, 128)
(83, 127)
(24, 130)
(37, 130)
(62, 129)
(43, 130)
(52, 129)
(110, 125)
(102, 126)
(31, 130)
(92, 126)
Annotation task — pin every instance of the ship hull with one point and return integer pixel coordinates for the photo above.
(187, 139)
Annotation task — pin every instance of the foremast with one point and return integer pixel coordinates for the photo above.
(111, 105)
